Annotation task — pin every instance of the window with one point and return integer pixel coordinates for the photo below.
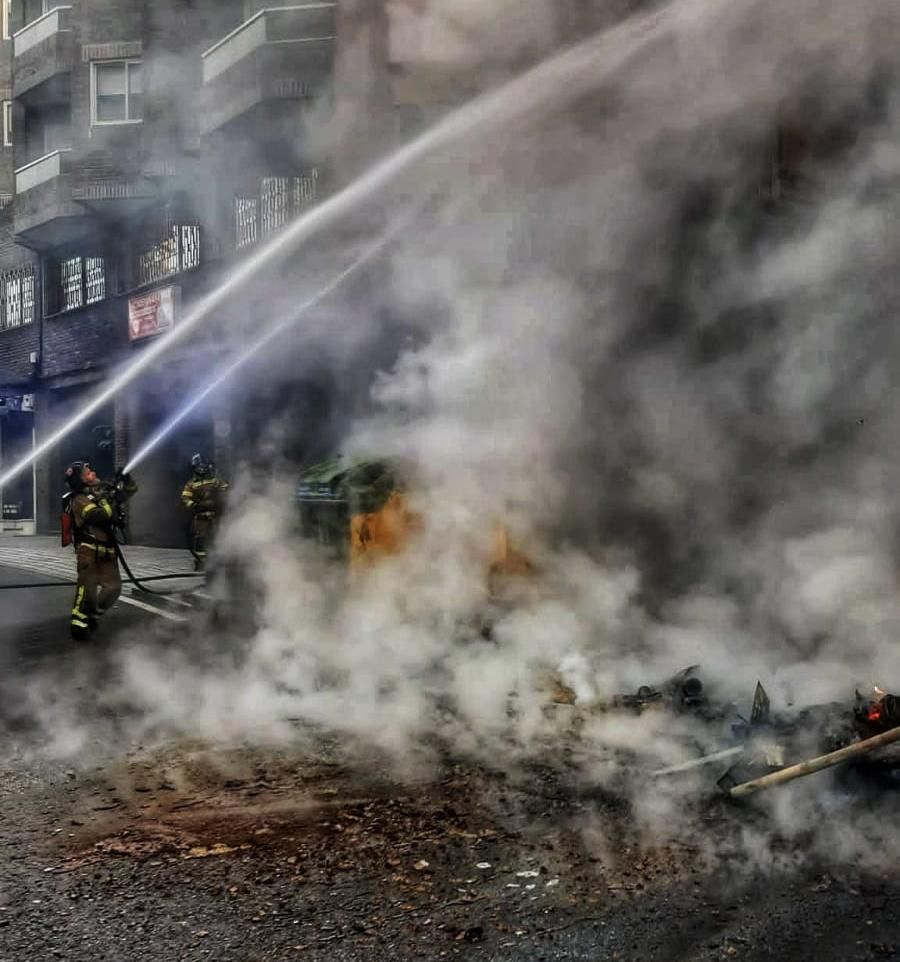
(7, 123)
(246, 221)
(5, 14)
(165, 243)
(280, 199)
(178, 251)
(70, 284)
(17, 294)
(74, 282)
(274, 203)
(190, 246)
(304, 189)
(31, 10)
(94, 280)
(117, 92)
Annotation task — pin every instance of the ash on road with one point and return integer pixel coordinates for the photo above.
(197, 852)
(238, 855)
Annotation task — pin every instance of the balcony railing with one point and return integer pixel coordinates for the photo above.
(279, 201)
(53, 21)
(41, 170)
(311, 23)
(178, 252)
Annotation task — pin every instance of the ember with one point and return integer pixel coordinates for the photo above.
(881, 712)
(774, 748)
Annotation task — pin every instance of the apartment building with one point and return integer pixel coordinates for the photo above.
(146, 150)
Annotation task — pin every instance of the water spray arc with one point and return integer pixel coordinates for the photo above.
(225, 372)
(562, 77)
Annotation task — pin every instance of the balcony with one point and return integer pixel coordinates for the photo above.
(278, 201)
(40, 171)
(58, 197)
(44, 212)
(283, 53)
(44, 54)
(108, 181)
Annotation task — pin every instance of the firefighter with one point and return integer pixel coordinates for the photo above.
(202, 495)
(95, 509)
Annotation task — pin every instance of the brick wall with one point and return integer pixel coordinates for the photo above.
(169, 37)
(17, 344)
(84, 339)
(362, 87)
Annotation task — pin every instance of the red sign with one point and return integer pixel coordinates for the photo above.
(152, 313)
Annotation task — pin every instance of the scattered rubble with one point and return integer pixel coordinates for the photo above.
(306, 853)
(768, 749)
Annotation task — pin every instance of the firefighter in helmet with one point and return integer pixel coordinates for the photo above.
(95, 510)
(203, 496)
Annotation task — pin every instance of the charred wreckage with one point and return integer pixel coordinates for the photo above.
(772, 748)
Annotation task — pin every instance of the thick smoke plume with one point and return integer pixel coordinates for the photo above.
(666, 370)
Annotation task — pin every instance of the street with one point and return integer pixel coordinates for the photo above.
(488, 405)
(185, 850)
(154, 858)
(37, 645)
(35, 621)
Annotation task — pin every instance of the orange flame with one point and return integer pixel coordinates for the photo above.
(873, 713)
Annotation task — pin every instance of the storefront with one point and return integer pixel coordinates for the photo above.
(93, 440)
(157, 516)
(18, 496)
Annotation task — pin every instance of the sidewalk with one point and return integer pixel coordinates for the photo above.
(44, 555)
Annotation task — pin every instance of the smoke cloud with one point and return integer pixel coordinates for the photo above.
(665, 370)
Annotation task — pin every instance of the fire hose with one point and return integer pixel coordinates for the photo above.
(139, 582)
(118, 526)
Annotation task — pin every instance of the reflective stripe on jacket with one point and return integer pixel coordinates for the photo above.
(203, 496)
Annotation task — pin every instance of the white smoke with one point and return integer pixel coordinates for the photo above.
(676, 400)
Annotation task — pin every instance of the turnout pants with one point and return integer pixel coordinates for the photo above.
(201, 536)
(99, 585)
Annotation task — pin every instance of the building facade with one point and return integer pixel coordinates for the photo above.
(146, 151)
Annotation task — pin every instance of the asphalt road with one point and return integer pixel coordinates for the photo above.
(185, 852)
(291, 860)
(38, 656)
(34, 622)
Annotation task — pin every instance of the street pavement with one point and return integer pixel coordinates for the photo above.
(243, 854)
(185, 851)
(39, 661)
(36, 619)
(45, 555)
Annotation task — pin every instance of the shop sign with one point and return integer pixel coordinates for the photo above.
(24, 402)
(152, 313)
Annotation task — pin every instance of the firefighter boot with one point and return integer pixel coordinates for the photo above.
(80, 624)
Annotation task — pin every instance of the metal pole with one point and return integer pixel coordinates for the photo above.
(815, 764)
(700, 762)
